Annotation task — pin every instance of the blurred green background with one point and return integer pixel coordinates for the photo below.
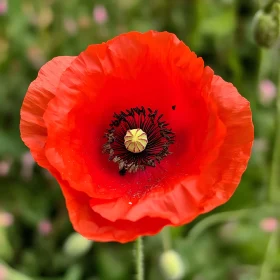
(36, 238)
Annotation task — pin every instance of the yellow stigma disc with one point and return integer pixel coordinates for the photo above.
(135, 140)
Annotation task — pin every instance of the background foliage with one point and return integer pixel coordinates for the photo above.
(36, 238)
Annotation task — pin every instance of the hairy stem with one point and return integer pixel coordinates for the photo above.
(139, 259)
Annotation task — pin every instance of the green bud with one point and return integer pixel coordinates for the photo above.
(266, 26)
(76, 245)
(172, 265)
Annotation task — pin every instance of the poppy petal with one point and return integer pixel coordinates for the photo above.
(40, 92)
(93, 226)
(224, 174)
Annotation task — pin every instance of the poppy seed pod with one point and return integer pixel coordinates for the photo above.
(138, 133)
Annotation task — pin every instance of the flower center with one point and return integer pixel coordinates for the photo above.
(135, 140)
(138, 138)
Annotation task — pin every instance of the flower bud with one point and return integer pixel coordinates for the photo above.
(172, 265)
(76, 245)
(266, 26)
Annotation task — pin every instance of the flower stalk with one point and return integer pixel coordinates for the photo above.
(274, 183)
(271, 252)
(166, 239)
(139, 259)
(274, 186)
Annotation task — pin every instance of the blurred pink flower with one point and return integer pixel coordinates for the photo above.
(3, 7)
(269, 224)
(45, 227)
(70, 26)
(5, 167)
(100, 14)
(267, 91)
(27, 165)
(3, 272)
(6, 219)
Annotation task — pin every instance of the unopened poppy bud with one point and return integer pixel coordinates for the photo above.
(135, 140)
(266, 26)
(76, 245)
(172, 265)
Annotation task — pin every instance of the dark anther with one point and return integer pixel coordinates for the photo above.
(122, 172)
(173, 107)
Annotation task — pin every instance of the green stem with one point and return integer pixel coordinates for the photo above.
(234, 215)
(212, 220)
(139, 259)
(263, 71)
(274, 186)
(166, 239)
(274, 190)
(271, 250)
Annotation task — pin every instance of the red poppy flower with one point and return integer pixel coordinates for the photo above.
(138, 133)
